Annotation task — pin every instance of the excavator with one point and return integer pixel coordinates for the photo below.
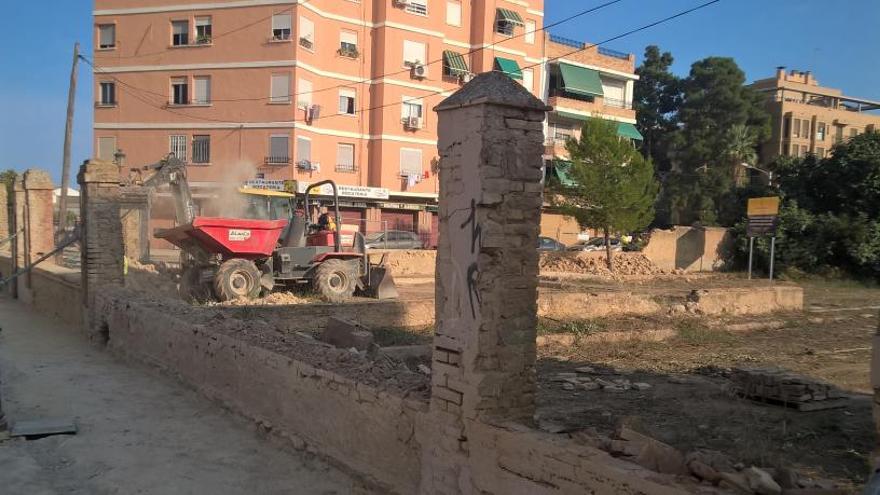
(229, 259)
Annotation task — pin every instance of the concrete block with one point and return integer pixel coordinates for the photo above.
(345, 334)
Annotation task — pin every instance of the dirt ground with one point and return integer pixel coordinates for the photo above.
(139, 431)
(689, 405)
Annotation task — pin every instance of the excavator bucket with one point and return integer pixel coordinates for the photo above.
(380, 282)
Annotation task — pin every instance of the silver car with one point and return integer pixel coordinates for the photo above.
(394, 239)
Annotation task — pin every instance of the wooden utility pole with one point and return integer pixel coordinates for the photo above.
(68, 134)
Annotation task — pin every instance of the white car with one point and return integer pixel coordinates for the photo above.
(596, 244)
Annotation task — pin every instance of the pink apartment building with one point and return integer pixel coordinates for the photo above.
(303, 90)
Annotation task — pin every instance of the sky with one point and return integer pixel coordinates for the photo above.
(836, 40)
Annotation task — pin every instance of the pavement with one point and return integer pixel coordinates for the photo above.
(140, 432)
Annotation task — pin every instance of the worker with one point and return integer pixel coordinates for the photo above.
(325, 221)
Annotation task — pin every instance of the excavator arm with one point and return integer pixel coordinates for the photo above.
(172, 171)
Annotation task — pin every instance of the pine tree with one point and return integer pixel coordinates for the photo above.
(657, 96)
(613, 186)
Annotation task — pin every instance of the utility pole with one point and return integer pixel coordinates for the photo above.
(68, 134)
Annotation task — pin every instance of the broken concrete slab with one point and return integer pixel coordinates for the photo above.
(346, 334)
(38, 428)
(761, 482)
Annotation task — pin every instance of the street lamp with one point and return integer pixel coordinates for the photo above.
(768, 173)
(119, 158)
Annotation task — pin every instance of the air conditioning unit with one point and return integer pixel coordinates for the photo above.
(313, 112)
(466, 77)
(308, 165)
(418, 71)
(412, 122)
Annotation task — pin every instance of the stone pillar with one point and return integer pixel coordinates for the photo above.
(135, 217)
(18, 245)
(101, 230)
(40, 225)
(5, 227)
(491, 192)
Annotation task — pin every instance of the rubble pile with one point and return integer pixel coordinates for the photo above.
(783, 387)
(581, 379)
(593, 263)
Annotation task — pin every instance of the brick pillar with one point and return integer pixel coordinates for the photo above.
(40, 213)
(101, 230)
(491, 191)
(18, 246)
(135, 216)
(5, 227)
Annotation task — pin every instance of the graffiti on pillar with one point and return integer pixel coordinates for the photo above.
(473, 274)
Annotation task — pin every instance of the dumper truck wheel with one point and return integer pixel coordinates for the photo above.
(237, 279)
(191, 288)
(335, 280)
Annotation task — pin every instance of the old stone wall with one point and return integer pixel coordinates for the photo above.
(692, 249)
(54, 290)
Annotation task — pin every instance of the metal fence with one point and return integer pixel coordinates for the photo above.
(390, 234)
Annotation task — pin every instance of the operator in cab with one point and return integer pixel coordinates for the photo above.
(325, 221)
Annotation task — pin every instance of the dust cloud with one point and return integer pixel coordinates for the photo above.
(227, 201)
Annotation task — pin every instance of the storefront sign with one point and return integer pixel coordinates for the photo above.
(400, 206)
(345, 191)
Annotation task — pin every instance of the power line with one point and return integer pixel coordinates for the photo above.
(403, 71)
(379, 107)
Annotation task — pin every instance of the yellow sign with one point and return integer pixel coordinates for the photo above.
(763, 206)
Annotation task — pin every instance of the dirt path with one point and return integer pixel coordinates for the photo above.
(139, 432)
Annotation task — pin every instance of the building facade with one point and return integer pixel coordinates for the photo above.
(808, 118)
(302, 91)
(583, 82)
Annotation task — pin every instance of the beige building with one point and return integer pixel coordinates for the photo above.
(808, 118)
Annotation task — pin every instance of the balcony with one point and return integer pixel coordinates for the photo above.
(598, 105)
(277, 161)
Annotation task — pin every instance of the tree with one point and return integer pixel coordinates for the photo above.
(613, 187)
(657, 97)
(716, 107)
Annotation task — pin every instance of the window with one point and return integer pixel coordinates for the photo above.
(614, 92)
(796, 129)
(203, 30)
(279, 149)
(504, 27)
(107, 36)
(306, 33)
(410, 162)
(348, 44)
(838, 134)
(177, 146)
(453, 12)
(304, 93)
(179, 33)
(202, 90)
(506, 20)
(795, 150)
(303, 150)
(528, 79)
(419, 7)
(106, 148)
(108, 93)
(820, 152)
(179, 91)
(820, 131)
(346, 101)
(805, 129)
(281, 27)
(201, 149)
(345, 157)
(413, 52)
(531, 27)
(280, 88)
(411, 107)
(853, 132)
(786, 127)
(804, 150)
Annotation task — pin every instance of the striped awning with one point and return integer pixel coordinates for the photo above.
(509, 67)
(580, 80)
(455, 62)
(509, 16)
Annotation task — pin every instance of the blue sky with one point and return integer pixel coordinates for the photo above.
(838, 45)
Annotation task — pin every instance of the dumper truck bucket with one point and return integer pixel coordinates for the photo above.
(380, 282)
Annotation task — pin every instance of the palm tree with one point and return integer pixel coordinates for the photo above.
(740, 149)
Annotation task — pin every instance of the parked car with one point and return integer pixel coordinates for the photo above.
(549, 244)
(597, 244)
(393, 239)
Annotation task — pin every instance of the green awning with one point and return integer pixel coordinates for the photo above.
(569, 115)
(580, 81)
(561, 169)
(455, 62)
(628, 130)
(509, 16)
(509, 67)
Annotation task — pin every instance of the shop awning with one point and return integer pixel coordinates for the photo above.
(509, 16)
(580, 81)
(561, 169)
(569, 115)
(508, 66)
(455, 62)
(627, 130)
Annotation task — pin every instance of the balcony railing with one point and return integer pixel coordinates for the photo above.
(608, 52)
(616, 103)
(277, 160)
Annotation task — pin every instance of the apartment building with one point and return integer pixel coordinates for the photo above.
(583, 82)
(302, 91)
(808, 118)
